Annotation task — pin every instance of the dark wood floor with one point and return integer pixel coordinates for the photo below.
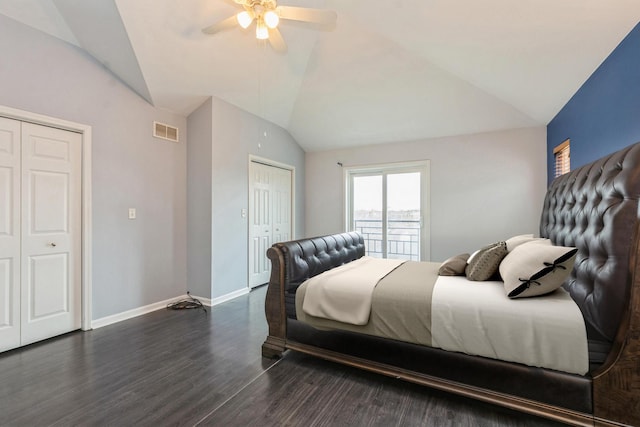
(188, 368)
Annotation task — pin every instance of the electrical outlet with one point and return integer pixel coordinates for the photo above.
(132, 213)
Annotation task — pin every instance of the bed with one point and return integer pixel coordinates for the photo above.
(594, 209)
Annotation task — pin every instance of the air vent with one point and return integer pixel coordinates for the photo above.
(160, 130)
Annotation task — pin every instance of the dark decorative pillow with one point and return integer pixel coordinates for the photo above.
(536, 268)
(454, 266)
(483, 264)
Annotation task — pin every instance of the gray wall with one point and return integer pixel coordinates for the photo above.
(235, 135)
(135, 262)
(199, 201)
(484, 187)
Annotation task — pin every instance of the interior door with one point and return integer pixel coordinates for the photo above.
(281, 205)
(261, 222)
(9, 233)
(51, 232)
(270, 207)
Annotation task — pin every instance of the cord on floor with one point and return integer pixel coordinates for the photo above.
(186, 304)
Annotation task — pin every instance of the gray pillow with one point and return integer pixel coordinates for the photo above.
(536, 268)
(454, 266)
(484, 264)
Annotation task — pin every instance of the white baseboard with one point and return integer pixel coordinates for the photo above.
(229, 296)
(129, 314)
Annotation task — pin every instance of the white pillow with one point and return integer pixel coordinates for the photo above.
(536, 268)
(515, 241)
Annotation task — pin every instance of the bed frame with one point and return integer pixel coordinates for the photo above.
(594, 208)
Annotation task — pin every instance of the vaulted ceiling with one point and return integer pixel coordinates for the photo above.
(390, 70)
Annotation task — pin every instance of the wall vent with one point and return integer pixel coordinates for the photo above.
(163, 131)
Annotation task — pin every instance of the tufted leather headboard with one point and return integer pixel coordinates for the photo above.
(595, 208)
(306, 258)
(295, 261)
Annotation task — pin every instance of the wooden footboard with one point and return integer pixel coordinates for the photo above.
(275, 343)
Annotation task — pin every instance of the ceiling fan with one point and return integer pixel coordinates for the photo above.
(267, 15)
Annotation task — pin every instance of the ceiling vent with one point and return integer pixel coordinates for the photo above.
(163, 131)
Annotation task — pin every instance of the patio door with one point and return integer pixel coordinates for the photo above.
(388, 205)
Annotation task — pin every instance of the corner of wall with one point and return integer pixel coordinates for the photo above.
(199, 200)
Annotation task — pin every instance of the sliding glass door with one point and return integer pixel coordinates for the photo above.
(388, 206)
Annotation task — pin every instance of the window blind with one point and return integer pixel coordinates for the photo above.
(562, 155)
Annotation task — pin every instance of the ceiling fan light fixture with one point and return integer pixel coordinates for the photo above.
(244, 19)
(271, 18)
(262, 32)
(267, 14)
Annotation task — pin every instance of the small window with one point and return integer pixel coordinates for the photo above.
(562, 157)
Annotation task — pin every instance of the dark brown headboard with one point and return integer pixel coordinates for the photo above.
(306, 258)
(595, 208)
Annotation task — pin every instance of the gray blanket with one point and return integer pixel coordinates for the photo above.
(401, 306)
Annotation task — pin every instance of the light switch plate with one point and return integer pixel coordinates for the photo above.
(132, 213)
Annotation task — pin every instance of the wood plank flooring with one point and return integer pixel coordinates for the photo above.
(187, 368)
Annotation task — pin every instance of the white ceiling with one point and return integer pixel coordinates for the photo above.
(389, 71)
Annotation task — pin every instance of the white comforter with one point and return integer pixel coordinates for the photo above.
(329, 298)
(478, 318)
(475, 318)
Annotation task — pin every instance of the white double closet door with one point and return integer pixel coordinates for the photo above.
(40, 232)
(269, 216)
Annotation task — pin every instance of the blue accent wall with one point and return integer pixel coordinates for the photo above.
(604, 114)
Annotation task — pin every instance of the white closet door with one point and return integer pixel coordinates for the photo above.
(281, 205)
(9, 233)
(269, 216)
(51, 232)
(260, 222)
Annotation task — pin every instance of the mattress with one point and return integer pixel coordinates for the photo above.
(413, 304)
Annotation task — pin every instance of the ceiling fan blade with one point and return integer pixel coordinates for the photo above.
(304, 14)
(225, 24)
(276, 40)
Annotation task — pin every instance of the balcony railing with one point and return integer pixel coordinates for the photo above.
(403, 238)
